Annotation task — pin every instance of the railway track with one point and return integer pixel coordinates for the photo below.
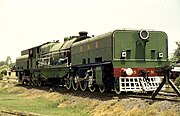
(16, 113)
(107, 95)
(97, 95)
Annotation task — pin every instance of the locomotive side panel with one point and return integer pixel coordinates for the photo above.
(92, 50)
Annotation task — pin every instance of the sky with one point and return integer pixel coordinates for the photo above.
(28, 23)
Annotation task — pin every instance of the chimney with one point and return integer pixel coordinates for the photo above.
(83, 33)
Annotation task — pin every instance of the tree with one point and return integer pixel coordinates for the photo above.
(8, 60)
(2, 63)
(177, 51)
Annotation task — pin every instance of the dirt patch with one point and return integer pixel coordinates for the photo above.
(98, 105)
(134, 107)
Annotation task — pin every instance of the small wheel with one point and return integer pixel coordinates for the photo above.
(68, 83)
(92, 88)
(83, 85)
(102, 88)
(75, 83)
(116, 86)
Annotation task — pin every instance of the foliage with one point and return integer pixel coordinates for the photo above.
(7, 62)
(177, 51)
(177, 82)
(4, 65)
(4, 72)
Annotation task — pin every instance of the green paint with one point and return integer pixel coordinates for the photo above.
(54, 73)
(99, 76)
(92, 48)
(136, 64)
(140, 49)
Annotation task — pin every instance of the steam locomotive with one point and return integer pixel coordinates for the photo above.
(120, 61)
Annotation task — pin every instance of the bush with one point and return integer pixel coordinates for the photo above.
(4, 72)
(177, 82)
(1, 76)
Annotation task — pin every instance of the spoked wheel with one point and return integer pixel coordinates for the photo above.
(83, 85)
(116, 86)
(39, 82)
(34, 82)
(75, 83)
(92, 88)
(31, 82)
(102, 88)
(68, 83)
(28, 83)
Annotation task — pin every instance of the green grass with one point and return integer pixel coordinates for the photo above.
(37, 105)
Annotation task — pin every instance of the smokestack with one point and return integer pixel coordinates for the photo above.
(83, 33)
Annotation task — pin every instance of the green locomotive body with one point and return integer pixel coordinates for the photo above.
(122, 60)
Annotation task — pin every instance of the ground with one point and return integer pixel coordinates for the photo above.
(52, 101)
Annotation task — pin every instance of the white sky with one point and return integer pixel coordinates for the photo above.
(28, 23)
